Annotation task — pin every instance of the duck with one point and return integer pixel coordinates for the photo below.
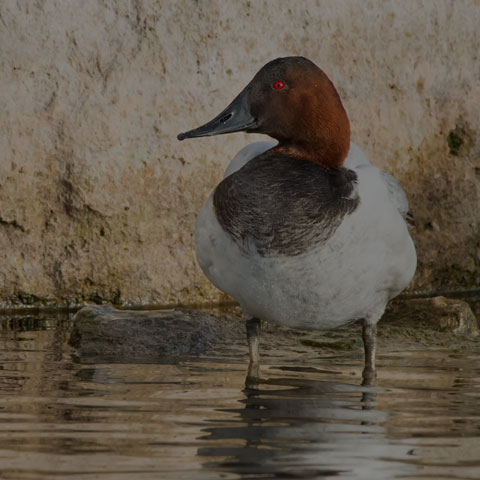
(302, 231)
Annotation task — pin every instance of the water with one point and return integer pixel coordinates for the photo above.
(192, 418)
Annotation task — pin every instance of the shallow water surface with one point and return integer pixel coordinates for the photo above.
(192, 418)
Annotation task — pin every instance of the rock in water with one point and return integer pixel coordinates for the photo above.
(437, 313)
(103, 333)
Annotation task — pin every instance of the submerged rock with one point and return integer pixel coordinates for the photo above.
(438, 313)
(104, 333)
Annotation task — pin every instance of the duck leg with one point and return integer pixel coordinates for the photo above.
(369, 336)
(253, 339)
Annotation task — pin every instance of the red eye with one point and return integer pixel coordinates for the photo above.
(278, 85)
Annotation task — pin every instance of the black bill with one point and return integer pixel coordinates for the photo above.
(235, 118)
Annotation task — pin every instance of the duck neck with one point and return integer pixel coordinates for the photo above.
(328, 145)
(328, 154)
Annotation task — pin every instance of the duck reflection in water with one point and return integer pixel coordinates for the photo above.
(300, 428)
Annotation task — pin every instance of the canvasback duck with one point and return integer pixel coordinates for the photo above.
(303, 232)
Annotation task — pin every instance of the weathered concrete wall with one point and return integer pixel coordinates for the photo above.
(97, 197)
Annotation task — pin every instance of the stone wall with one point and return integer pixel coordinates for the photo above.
(98, 198)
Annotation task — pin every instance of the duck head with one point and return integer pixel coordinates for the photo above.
(293, 101)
